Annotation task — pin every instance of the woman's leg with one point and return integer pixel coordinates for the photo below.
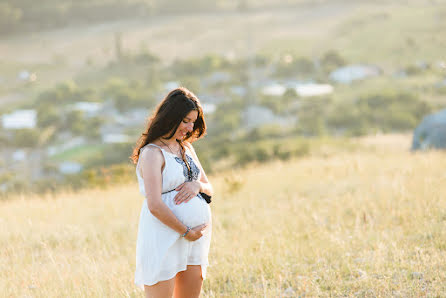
(162, 289)
(188, 283)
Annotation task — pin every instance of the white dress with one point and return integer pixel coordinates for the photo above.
(160, 251)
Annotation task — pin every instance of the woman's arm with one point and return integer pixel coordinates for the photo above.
(152, 162)
(190, 189)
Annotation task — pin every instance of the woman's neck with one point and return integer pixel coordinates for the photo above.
(172, 145)
(172, 142)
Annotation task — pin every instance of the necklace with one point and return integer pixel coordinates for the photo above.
(168, 147)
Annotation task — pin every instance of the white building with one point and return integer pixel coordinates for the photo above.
(274, 89)
(307, 90)
(69, 167)
(303, 89)
(209, 108)
(90, 109)
(115, 138)
(20, 119)
(354, 72)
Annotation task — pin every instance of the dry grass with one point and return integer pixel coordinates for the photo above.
(365, 224)
(176, 36)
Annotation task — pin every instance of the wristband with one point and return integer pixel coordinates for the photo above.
(187, 231)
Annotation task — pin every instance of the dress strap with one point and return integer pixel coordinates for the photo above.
(162, 150)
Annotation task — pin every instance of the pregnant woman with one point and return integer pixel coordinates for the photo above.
(175, 222)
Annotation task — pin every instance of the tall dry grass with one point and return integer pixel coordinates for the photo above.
(365, 223)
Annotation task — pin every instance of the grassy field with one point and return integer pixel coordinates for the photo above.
(367, 223)
(81, 154)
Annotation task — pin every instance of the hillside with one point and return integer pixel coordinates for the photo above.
(367, 222)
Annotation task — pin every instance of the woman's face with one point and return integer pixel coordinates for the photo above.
(186, 125)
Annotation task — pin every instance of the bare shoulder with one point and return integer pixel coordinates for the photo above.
(151, 154)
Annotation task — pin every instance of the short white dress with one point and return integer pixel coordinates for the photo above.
(160, 251)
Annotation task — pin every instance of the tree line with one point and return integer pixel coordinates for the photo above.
(27, 15)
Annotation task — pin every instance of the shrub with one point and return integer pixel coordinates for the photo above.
(48, 115)
(332, 60)
(26, 137)
(295, 66)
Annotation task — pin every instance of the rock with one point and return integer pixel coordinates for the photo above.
(361, 274)
(289, 292)
(431, 133)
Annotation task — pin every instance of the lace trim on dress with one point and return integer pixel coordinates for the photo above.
(194, 172)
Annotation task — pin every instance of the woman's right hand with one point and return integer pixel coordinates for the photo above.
(196, 232)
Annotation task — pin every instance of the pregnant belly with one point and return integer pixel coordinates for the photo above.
(193, 213)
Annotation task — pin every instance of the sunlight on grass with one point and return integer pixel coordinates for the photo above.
(368, 223)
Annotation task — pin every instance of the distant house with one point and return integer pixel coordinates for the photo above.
(90, 109)
(273, 89)
(355, 72)
(115, 138)
(69, 167)
(20, 119)
(19, 155)
(303, 89)
(307, 90)
(209, 108)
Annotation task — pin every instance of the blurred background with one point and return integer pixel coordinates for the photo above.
(277, 80)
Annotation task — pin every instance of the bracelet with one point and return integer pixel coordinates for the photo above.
(187, 231)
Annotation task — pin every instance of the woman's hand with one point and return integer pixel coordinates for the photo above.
(187, 191)
(196, 233)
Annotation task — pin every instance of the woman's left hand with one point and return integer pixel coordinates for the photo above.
(187, 191)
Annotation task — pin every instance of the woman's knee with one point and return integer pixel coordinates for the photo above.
(161, 289)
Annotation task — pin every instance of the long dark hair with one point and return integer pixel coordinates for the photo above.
(168, 116)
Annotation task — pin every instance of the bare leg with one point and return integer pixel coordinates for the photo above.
(188, 283)
(162, 289)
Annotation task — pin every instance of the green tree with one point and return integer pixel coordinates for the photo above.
(312, 116)
(92, 128)
(48, 115)
(65, 92)
(27, 138)
(332, 60)
(75, 122)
